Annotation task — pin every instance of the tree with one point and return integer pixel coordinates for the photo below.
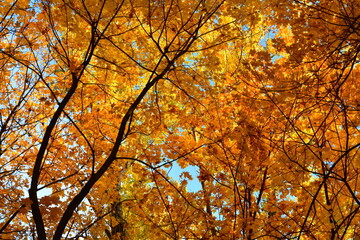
(100, 98)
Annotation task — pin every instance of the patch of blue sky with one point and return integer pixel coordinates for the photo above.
(175, 172)
(271, 34)
(273, 31)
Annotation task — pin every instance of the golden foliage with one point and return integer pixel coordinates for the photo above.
(257, 101)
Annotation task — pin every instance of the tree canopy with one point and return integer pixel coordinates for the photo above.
(99, 99)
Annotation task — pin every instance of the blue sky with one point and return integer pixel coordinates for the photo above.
(175, 171)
